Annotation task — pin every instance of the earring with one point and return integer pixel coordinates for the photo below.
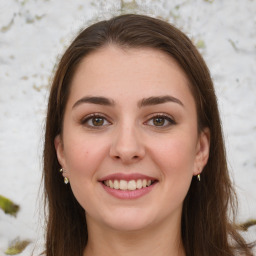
(198, 177)
(66, 180)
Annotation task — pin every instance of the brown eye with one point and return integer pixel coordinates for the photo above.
(161, 121)
(97, 121)
(158, 121)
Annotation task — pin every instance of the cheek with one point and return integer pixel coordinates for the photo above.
(83, 155)
(176, 156)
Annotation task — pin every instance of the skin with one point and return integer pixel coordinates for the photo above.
(130, 139)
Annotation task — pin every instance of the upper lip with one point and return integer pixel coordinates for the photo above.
(127, 177)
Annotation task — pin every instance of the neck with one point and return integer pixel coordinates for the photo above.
(161, 241)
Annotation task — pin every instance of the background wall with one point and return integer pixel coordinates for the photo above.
(33, 34)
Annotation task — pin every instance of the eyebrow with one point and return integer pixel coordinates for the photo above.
(95, 100)
(142, 103)
(159, 100)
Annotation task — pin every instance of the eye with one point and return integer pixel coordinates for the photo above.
(161, 120)
(95, 121)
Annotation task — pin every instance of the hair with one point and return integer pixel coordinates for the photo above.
(207, 226)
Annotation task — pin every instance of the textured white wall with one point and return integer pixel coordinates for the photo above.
(34, 33)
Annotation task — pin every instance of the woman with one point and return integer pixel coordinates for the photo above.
(133, 126)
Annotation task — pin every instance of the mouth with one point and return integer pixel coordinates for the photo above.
(128, 185)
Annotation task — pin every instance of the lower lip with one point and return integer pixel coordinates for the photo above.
(128, 194)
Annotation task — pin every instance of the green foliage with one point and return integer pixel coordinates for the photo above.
(200, 44)
(8, 206)
(233, 45)
(7, 27)
(244, 226)
(17, 247)
(127, 7)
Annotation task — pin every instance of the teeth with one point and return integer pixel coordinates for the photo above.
(139, 184)
(111, 184)
(132, 185)
(128, 185)
(116, 184)
(123, 185)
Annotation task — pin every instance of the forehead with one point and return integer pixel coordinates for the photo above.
(131, 72)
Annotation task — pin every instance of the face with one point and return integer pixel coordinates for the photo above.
(130, 144)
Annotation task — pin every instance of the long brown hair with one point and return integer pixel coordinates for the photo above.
(210, 204)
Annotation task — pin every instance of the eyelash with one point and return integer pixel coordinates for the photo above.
(166, 118)
(85, 121)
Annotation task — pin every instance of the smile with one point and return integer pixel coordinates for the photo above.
(128, 185)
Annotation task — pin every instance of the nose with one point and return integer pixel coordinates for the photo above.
(127, 145)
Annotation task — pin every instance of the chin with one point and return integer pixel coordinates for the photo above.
(129, 220)
(128, 226)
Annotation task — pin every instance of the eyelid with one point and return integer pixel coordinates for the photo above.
(85, 119)
(167, 117)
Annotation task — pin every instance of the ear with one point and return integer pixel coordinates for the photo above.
(202, 151)
(60, 151)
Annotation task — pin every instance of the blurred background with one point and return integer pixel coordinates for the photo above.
(34, 34)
